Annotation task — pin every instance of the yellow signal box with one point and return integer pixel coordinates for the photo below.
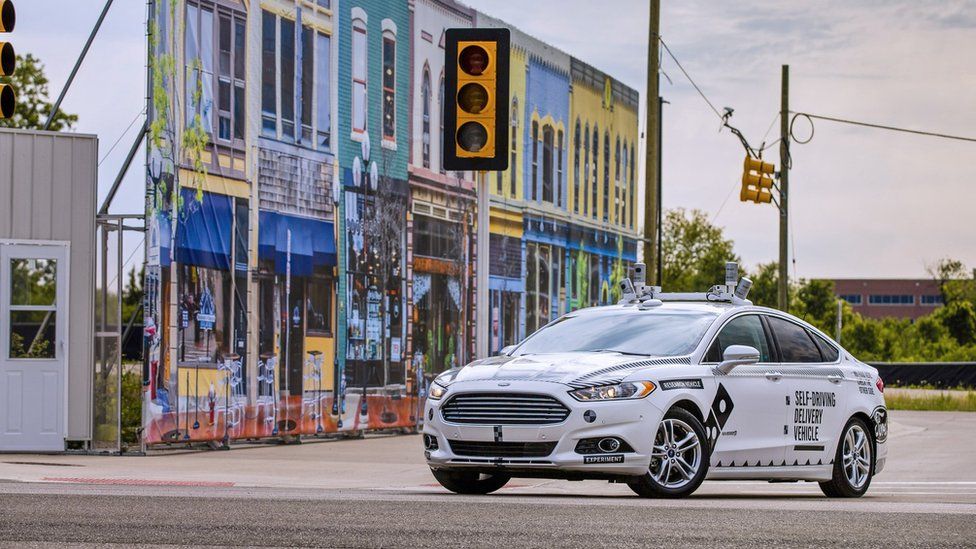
(757, 181)
(476, 108)
(8, 59)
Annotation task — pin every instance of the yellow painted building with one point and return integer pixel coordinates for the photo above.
(602, 184)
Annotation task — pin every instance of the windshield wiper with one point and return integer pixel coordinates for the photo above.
(618, 351)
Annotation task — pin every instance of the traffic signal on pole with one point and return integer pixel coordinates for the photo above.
(757, 181)
(476, 106)
(8, 59)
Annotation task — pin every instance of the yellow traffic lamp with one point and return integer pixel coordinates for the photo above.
(757, 181)
(8, 59)
(476, 91)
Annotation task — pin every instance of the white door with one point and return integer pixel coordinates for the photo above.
(33, 346)
(745, 424)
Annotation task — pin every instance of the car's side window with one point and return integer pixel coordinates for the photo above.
(742, 330)
(795, 344)
(829, 352)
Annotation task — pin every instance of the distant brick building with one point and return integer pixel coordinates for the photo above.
(890, 298)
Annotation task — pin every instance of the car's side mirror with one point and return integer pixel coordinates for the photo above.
(506, 350)
(737, 355)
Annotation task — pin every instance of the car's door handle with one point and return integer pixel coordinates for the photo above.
(835, 378)
(774, 376)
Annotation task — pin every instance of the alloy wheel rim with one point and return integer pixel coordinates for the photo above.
(857, 456)
(677, 454)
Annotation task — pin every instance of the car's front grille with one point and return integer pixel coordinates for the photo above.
(504, 409)
(502, 449)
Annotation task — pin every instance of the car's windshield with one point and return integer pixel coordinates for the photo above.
(628, 331)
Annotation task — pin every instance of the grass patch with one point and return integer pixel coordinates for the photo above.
(962, 401)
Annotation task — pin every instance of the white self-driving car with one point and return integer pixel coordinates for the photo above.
(661, 392)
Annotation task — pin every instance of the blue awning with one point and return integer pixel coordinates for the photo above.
(312, 242)
(203, 234)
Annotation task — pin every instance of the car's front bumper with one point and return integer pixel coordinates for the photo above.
(633, 421)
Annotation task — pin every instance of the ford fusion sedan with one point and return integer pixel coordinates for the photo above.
(662, 392)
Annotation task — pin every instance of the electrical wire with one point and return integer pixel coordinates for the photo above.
(690, 79)
(125, 131)
(870, 125)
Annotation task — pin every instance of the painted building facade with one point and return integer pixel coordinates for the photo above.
(563, 222)
(442, 214)
(310, 264)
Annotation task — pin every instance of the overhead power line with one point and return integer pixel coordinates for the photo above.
(690, 79)
(809, 116)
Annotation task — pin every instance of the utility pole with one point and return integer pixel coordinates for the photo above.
(660, 195)
(784, 187)
(652, 137)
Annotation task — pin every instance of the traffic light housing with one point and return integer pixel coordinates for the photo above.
(757, 181)
(476, 102)
(8, 59)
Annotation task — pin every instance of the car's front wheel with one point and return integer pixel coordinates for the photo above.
(462, 482)
(853, 464)
(679, 460)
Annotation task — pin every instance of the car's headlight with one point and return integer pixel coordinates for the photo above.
(436, 391)
(620, 391)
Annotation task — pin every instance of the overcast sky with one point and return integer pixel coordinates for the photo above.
(864, 203)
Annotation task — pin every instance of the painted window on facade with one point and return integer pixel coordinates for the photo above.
(586, 169)
(318, 306)
(576, 167)
(307, 83)
(633, 195)
(389, 86)
(594, 280)
(286, 67)
(425, 123)
(230, 80)
(513, 167)
(559, 168)
(435, 238)
(535, 159)
(296, 96)
(269, 74)
(623, 188)
(440, 116)
(616, 183)
(547, 167)
(359, 80)
(606, 176)
(199, 54)
(323, 53)
(595, 180)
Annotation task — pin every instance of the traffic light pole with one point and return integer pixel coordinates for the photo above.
(784, 186)
(652, 139)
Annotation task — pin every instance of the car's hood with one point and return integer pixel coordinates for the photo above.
(578, 369)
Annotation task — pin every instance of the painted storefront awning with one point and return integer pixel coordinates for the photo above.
(312, 242)
(203, 232)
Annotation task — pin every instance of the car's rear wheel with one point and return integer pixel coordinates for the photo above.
(853, 464)
(462, 482)
(679, 459)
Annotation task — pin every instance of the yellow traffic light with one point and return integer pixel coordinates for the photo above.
(757, 181)
(8, 59)
(476, 114)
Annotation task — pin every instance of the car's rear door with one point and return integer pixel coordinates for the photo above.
(817, 389)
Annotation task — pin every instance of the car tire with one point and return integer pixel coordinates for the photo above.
(853, 470)
(667, 475)
(462, 482)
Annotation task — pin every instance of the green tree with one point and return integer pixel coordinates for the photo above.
(959, 318)
(32, 109)
(694, 252)
(765, 282)
(816, 303)
(132, 293)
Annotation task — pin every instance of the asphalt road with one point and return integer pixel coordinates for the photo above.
(376, 493)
